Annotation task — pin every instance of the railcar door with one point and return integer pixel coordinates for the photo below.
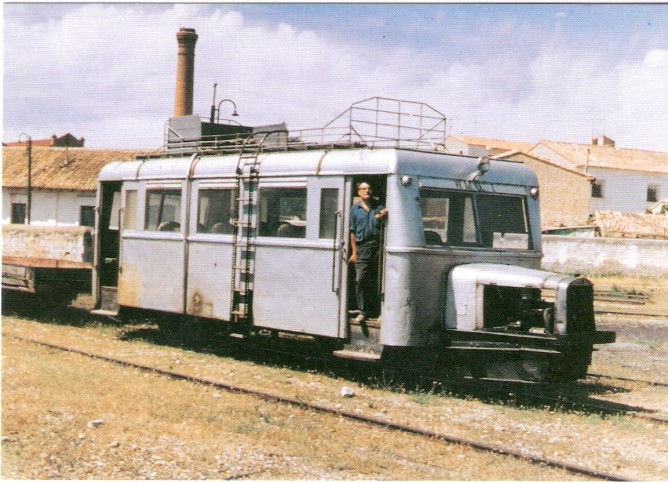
(105, 278)
(151, 273)
(299, 281)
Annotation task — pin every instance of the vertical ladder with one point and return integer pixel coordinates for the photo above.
(243, 235)
(244, 232)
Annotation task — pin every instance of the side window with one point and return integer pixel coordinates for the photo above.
(435, 210)
(215, 211)
(329, 200)
(18, 213)
(130, 213)
(163, 210)
(653, 192)
(283, 212)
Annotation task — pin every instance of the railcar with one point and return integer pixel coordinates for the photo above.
(253, 236)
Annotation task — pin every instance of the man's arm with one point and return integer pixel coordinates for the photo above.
(353, 248)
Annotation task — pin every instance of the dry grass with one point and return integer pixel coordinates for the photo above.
(157, 428)
(151, 427)
(656, 288)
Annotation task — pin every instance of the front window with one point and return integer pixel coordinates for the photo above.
(457, 219)
(283, 212)
(163, 210)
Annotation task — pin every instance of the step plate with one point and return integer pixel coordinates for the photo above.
(358, 356)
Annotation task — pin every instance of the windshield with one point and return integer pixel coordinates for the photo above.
(456, 218)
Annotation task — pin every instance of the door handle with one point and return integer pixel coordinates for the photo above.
(335, 249)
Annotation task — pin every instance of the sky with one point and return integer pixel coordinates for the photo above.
(518, 72)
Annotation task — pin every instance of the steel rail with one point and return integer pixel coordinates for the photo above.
(575, 469)
(638, 314)
(628, 379)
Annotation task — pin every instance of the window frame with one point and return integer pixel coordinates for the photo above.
(456, 219)
(269, 224)
(163, 191)
(598, 189)
(228, 227)
(91, 212)
(13, 213)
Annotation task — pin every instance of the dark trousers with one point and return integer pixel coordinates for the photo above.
(366, 281)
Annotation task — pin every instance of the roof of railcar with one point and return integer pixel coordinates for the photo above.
(323, 163)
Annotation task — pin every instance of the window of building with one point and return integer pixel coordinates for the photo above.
(163, 210)
(216, 211)
(597, 189)
(87, 216)
(653, 192)
(283, 212)
(18, 213)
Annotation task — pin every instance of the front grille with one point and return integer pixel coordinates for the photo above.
(580, 308)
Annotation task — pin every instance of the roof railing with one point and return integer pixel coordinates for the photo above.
(372, 123)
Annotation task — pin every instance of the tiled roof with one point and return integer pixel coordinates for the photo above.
(518, 156)
(60, 168)
(496, 143)
(579, 156)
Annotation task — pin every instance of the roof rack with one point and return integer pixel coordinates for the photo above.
(371, 123)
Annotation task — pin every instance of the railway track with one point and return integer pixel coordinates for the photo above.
(495, 449)
(628, 379)
(557, 396)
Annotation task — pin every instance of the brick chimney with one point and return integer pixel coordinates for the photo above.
(602, 141)
(185, 72)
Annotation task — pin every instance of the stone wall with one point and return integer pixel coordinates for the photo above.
(595, 256)
(72, 244)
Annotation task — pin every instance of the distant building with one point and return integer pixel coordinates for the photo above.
(577, 180)
(627, 180)
(564, 192)
(65, 141)
(473, 146)
(64, 183)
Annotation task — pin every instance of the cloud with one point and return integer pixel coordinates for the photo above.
(107, 72)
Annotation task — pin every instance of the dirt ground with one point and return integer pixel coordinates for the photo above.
(68, 417)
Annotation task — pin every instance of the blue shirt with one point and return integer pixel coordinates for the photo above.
(364, 224)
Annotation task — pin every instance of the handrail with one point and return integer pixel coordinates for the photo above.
(370, 123)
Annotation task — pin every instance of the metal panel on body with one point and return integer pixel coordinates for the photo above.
(151, 274)
(209, 278)
(298, 282)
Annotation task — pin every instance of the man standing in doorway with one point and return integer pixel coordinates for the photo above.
(365, 222)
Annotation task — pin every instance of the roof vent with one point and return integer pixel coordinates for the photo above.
(602, 141)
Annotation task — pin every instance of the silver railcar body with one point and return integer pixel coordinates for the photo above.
(300, 283)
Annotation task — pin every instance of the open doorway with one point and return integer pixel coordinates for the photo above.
(373, 289)
(108, 244)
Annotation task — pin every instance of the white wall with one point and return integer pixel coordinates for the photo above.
(52, 208)
(595, 256)
(626, 191)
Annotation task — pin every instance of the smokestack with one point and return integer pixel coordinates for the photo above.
(185, 72)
